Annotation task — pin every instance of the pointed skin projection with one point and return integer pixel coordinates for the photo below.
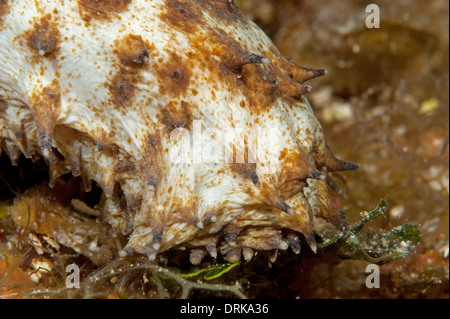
(100, 89)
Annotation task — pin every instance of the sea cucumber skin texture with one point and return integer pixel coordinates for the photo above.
(98, 88)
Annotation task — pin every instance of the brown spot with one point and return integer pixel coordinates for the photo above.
(232, 56)
(289, 189)
(4, 10)
(105, 10)
(175, 76)
(177, 113)
(122, 88)
(182, 211)
(46, 104)
(44, 37)
(295, 166)
(182, 15)
(249, 170)
(261, 86)
(132, 51)
(265, 82)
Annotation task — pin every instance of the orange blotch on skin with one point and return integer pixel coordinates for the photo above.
(175, 75)
(132, 51)
(102, 10)
(44, 38)
(4, 9)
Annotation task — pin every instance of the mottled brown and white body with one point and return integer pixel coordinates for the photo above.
(104, 89)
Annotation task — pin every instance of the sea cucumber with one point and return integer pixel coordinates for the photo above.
(107, 90)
